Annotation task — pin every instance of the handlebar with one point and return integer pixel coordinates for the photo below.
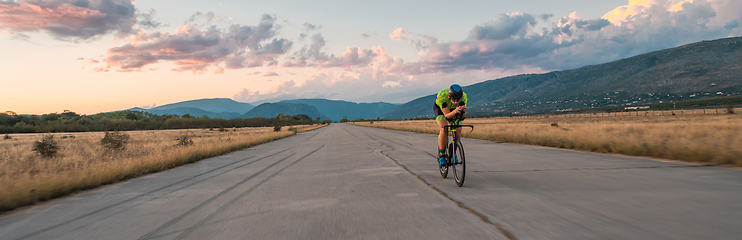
(458, 126)
(458, 118)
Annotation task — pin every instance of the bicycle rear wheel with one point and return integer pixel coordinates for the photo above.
(459, 169)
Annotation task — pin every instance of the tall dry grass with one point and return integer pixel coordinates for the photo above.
(714, 139)
(83, 163)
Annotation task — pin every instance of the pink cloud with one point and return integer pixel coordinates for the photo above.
(353, 56)
(68, 19)
(197, 49)
(512, 41)
(399, 35)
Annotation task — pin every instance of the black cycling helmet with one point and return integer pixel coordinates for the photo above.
(455, 92)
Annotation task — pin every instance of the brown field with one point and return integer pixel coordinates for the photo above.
(83, 163)
(712, 138)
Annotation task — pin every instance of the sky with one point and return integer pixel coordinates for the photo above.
(91, 56)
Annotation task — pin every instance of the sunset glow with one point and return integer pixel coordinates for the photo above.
(95, 56)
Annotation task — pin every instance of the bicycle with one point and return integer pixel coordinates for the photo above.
(456, 149)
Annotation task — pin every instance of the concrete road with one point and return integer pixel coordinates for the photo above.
(349, 182)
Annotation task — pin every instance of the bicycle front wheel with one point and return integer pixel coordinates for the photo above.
(459, 163)
(442, 168)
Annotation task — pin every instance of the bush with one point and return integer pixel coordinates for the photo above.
(7, 137)
(276, 127)
(730, 109)
(46, 147)
(293, 129)
(184, 140)
(114, 140)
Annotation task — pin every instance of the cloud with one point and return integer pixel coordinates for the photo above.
(309, 26)
(732, 24)
(148, 20)
(399, 35)
(270, 74)
(197, 49)
(365, 34)
(512, 40)
(308, 55)
(363, 87)
(69, 20)
(506, 26)
(509, 44)
(20, 37)
(210, 16)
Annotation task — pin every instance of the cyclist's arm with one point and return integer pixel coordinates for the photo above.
(448, 113)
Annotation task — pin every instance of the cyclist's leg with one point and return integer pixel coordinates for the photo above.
(441, 121)
(458, 130)
(458, 133)
(442, 135)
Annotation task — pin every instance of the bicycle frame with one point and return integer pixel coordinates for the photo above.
(453, 146)
(452, 129)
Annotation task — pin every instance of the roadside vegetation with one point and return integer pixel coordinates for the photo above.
(38, 167)
(689, 136)
(67, 121)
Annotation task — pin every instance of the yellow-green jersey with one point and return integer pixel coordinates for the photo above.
(442, 101)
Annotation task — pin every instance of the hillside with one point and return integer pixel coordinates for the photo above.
(703, 69)
(214, 108)
(335, 109)
(195, 112)
(269, 110)
(215, 105)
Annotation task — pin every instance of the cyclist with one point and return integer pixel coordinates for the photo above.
(448, 104)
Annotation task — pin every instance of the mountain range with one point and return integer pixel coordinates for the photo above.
(702, 69)
(269, 110)
(212, 107)
(334, 110)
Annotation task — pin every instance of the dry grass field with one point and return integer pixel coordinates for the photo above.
(83, 163)
(708, 138)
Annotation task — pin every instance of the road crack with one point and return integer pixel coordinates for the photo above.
(481, 216)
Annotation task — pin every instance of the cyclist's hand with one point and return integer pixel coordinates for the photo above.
(461, 109)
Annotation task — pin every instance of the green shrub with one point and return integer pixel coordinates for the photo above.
(46, 147)
(114, 140)
(730, 109)
(293, 129)
(6, 137)
(276, 127)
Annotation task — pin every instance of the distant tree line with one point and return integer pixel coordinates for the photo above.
(134, 120)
